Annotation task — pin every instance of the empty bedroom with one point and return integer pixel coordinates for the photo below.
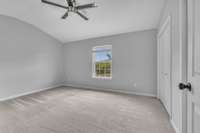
(99, 66)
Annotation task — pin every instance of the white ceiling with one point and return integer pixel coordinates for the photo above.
(111, 17)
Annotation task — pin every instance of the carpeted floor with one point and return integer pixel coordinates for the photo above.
(70, 110)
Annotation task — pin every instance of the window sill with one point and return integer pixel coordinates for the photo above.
(103, 78)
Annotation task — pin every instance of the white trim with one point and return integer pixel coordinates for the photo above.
(168, 21)
(183, 62)
(164, 25)
(158, 68)
(28, 93)
(103, 78)
(174, 126)
(110, 90)
(102, 46)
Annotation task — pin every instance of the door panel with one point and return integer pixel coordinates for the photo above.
(194, 66)
(164, 38)
(167, 68)
(196, 118)
(161, 65)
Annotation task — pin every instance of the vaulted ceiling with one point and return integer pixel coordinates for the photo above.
(111, 17)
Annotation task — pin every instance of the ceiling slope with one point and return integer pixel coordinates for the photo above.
(111, 17)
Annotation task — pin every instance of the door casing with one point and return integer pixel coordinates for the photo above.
(193, 100)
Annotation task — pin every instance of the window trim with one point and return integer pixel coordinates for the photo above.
(94, 62)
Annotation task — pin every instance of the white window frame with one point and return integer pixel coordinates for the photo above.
(94, 62)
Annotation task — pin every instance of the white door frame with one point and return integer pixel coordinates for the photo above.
(183, 56)
(166, 23)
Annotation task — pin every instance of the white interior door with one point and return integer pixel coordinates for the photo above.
(161, 75)
(165, 65)
(194, 66)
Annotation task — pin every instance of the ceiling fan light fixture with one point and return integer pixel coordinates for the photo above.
(72, 7)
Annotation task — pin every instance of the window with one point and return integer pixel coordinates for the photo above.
(102, 62)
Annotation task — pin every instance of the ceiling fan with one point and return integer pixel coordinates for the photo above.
(72, 6)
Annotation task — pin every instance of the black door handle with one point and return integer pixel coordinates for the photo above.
(183, 86)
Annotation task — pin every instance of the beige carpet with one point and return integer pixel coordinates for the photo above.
(69, 110)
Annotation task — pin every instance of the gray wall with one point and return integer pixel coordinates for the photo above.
(134, 62)
(30, 60)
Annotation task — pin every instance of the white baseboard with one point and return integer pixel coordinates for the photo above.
(110, 90)
(28, 93)
(174, 126)
(77, 86)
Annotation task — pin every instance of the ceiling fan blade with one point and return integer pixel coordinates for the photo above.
(81, 7)
(65, 15)
(83, 16)
(54, 4)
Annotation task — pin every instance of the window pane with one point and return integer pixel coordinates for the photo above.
(103, 68)
(103, 56)
(102, 61)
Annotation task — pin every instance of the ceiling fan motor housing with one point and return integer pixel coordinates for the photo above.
(71, 3)
(72, 7)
